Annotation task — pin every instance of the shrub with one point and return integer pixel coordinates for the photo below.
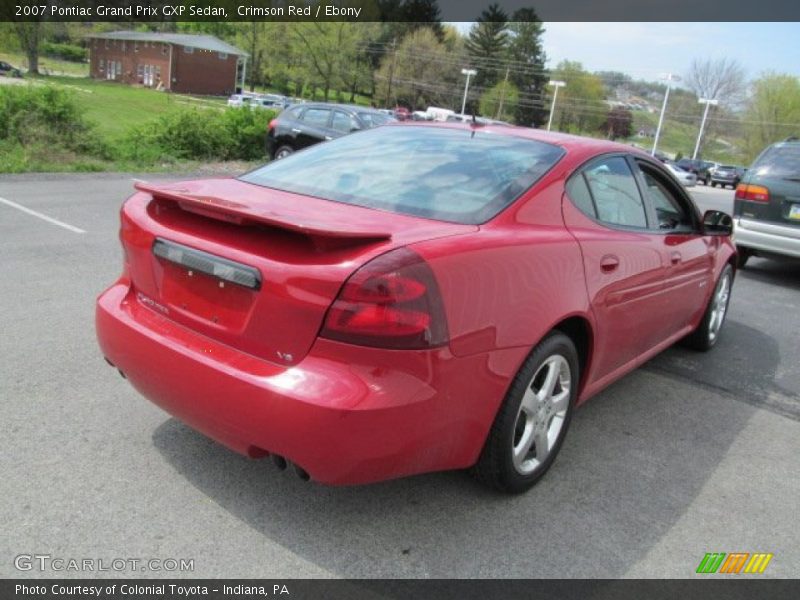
(45, 115)
(199, 134)
(65, 51)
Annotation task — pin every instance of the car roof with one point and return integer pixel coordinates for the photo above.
(350, 107)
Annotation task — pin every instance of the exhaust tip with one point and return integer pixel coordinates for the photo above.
(301, 473)
(279, 461)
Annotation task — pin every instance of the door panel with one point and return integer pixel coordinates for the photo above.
(688, 255)
(627, 298)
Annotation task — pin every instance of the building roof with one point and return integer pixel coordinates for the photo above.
(201, 42)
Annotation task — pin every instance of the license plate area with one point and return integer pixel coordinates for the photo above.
(794, 212)
(203, 286)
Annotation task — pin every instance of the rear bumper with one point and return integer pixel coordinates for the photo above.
(767, 237)
(345, 414)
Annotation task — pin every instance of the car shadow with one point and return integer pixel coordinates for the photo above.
(733, 369)
(635, 459)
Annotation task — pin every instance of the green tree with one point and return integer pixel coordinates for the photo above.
(580, 106)
(500, 101)
(487, 44)
(418, 73)
(773, 111)
(326, 50)
(527, 70)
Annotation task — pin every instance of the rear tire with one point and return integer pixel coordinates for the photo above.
(283, 152)
(707, 333)
(743, 255)
(532, 422)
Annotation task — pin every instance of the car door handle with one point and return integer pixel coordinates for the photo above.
(295, 130)
(675, 258)
(609, 263)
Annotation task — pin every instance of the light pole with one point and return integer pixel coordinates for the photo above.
(469, 73)
(708, 102)
(669, 77)
(555, 84)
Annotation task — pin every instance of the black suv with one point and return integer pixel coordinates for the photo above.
(9, 70)
(766, 208)
(700, 168)
(303, 125)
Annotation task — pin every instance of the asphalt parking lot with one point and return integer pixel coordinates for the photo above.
(692, 453)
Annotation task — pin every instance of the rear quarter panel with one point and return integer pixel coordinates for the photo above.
(507, 285)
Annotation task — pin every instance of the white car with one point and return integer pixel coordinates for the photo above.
(686, 178)
(239, 100)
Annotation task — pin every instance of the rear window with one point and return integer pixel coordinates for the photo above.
(461, 176)
(780, 160)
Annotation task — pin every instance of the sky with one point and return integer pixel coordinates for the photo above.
(647, 50)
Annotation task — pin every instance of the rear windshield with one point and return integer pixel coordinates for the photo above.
(780, 160)
(461, 176)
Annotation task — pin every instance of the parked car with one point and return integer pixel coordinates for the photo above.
(766, 206)
(269, 102)
(401, 113)
(685, 177)
(700, 168)
(8, 70)
(307, 124)
(363, 323)
(725, 175)
(237, 100)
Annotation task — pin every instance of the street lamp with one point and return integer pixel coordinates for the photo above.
(555, 84)
(708, 102)
(669, 78)
(469, 73)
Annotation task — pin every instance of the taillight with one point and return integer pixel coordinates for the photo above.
(391, 302)
(272, 123)
(753, 193)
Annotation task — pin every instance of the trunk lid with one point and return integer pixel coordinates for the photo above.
(253, 267)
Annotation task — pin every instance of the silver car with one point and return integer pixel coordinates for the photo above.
(686, 178)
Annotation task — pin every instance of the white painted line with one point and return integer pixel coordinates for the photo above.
(67, 226)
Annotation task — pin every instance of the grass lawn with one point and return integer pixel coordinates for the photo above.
(115, 108)
(681, 137)
(47, 65)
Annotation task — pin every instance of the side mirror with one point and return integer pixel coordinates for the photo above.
(716, 222)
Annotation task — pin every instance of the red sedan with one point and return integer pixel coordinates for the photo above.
(364, 322)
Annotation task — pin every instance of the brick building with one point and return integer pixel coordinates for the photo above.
(189, 64)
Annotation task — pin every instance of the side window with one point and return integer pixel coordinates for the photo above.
(343, 122)
(671, 213)
(616, 195)
(318, 117)
(578, 192)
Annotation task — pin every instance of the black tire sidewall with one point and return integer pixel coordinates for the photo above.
(555, 343)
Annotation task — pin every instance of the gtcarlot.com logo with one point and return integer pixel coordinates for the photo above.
(48, 562)
(734, 563)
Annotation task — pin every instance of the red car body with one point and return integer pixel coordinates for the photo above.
(254, 370)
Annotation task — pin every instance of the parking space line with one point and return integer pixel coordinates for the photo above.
(34, 213)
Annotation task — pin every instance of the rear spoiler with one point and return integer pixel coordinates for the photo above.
(242, 214)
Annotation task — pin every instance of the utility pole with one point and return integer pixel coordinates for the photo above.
(469, 73)
(708, 102)
(502, 96)
(391, 73)
(669, 77)
(556, 85)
